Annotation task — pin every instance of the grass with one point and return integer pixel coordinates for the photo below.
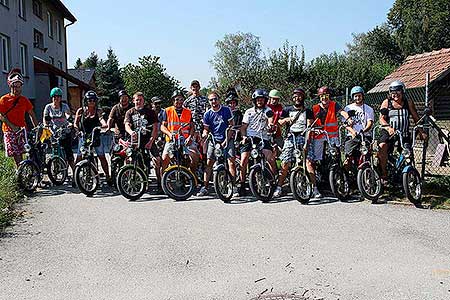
(9, 193)
(437, 192)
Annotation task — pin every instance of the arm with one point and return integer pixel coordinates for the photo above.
(415, 116)
(165, 130)
(244, 131)
(78, 118)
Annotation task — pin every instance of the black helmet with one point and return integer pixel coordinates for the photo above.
(231, 95)
(177, 93)
(299, 90)
(397, 85)
(122, 93)
(91, 95)
(260, 93)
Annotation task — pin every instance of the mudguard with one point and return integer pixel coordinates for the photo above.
(181, 167)
(219, 167)
(407, 168)
(85, 161)
(258, 165)
(363, 165)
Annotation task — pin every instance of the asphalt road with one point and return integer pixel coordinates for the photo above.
(68, 246)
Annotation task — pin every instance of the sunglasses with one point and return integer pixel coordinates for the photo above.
(179, 99)
(324, 96)
(213, 99)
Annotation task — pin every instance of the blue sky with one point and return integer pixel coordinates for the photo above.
(183, 33)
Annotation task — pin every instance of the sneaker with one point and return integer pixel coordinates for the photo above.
(316, 194)
(242, 191)
(278, 192)
(203, 192)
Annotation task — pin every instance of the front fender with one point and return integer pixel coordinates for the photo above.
(181, 167)
(363, 165)
(86, 161)
(219, 167)
(256, 166)
(407, 168)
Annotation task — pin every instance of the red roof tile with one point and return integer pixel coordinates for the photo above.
(413, 71)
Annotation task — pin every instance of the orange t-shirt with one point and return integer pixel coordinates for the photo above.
(16, 115)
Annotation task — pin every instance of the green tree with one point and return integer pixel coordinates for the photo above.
(78, 64)
(91, 62)
(109, 79)
(149, 76)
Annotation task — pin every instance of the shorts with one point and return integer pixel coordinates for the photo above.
(279, 141)
(14, 143)
(287, 154)
(316, 148)
(106, 142)
(66, 144)
(386, 138)
(100, 150)
(247, 147)
(352, 145)
(192, 148)
(229, 150)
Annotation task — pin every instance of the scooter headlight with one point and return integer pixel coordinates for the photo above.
(116, 148)
(27, 147)
(333, 151)
(129, 152)
(217, 150)
(364, 150)
(297, 153)
(83, 150)
(406, 153)
(254, 153)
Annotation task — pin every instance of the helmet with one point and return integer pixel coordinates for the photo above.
(177, 93)
(122, 93)
(397, 86)
(56, 92)
(299, 91)
(355, 90)
(232, 97)
(90, 95)
(156, 99)
(15, 76)
(259, 93)
(323, 90)
(274, 94)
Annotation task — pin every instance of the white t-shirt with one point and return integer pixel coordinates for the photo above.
(257, 121)
(363, 114)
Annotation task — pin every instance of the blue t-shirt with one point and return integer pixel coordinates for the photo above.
(218, 121)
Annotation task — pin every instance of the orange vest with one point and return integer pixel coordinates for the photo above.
(174, 122)
(331, 122)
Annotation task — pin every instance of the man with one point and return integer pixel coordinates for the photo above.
(399, 111)
(133, 120)
(156, 106)
(198, 105)
(277, 108)
(362, 122)
(217, 120)
(327, 112)
(116, 117)
(257, 121)
(174, 117)
(13, 107)
(297, 117)
(232, 102)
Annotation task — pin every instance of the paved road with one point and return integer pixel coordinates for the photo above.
(71, 247)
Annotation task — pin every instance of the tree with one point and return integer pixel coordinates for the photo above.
(149, 76)
(78, 64)
(92, 61)
(420, 25)
(109, 79)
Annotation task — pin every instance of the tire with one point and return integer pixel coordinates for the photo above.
(86, 178)
(223, 185)
(300, 186)
(339, 183)
(412, 184)
(178, 183)
(131, 182)
(369, 183)
(28, 176)
(261, 184)
(57, 170)
(115, 168)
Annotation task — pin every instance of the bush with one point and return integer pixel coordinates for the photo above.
(9, 193)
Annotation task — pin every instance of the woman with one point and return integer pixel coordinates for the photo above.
(86, 119)
(58, 114)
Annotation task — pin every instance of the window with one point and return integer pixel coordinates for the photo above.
(58, 31)
(37, 8)
(24, 59)
(60, 66)
(50, 24)
(5, 52)
(4, 3)
(51, 60)
(22, 9)
(38, 39)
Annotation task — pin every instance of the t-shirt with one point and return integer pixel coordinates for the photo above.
(198, 106)
(133, 116)
(218, 121)
(277, 111)
(363, 114)
(17, 114)
(237, 117)
(257, 121)
(337, 109)
(300, 123)
(117, 114)
(58, 116)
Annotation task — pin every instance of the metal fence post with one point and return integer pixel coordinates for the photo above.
(425, 123)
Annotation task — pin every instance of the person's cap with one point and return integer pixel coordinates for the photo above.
(195, 82)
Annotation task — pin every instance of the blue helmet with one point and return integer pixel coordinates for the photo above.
(355, 90)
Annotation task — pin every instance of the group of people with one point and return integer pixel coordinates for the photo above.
(280, 129)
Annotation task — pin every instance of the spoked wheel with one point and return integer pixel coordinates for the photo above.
(412, 184)
(28, 176)
(223, 185)
(369, 183)
(115, 168)
(57, 170)
(131, 182)
(339, 183)
(178, 183)
(261, 184)
(86, 178)
(300, 186)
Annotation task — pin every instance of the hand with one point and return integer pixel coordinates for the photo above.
(353, 133)
(350, 122)
(244, 140)
(423, 136)
(133, 136)
(188, 140)
(149, 144)
(391, 131)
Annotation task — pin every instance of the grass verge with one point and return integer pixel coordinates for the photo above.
(9, 194)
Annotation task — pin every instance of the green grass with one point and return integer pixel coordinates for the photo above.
(437, 192)
(9, 193)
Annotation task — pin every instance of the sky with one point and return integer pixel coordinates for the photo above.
(184, 33)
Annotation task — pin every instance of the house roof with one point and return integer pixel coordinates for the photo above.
(84, 75)
(413, 71)
(66, 13)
